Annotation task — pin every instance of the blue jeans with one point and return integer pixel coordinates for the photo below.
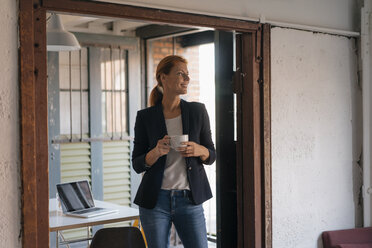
(174, 206)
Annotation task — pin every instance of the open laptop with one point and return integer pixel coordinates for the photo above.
(77, 200)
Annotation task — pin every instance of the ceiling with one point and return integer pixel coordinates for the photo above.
(123, 27)
(89, 24)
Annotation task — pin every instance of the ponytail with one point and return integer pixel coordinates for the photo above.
(164, 66)
(156, 96)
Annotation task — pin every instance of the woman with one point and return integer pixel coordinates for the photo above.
(174, 184)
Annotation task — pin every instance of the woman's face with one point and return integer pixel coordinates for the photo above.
(177, 81)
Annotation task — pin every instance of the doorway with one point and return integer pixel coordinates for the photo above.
(198, 49)
(33, 79)
(93, 97)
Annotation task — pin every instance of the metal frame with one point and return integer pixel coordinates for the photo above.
(226, 189)
(34, 119)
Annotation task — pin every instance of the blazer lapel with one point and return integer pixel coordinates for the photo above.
(185, 122)
(185, 117)
(161, 119)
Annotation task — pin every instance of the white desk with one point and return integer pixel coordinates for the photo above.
(58, 221)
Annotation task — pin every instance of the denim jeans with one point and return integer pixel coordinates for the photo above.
(174, 206)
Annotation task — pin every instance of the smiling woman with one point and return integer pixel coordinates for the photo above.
(174, 184)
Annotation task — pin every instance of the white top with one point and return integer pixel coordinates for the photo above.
(175, 175)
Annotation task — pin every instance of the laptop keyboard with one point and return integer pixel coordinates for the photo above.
(87, 210)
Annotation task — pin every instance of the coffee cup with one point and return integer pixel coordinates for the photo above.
(176, 140)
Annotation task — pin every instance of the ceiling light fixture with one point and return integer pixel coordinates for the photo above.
(58, 39)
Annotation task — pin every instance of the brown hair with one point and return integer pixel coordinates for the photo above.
(164, 66)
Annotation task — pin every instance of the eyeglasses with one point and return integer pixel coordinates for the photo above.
(185, 76)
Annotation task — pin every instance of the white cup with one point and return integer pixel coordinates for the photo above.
(176, 140)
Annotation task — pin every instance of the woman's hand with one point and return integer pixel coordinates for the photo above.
(193, 149)
(162, 148)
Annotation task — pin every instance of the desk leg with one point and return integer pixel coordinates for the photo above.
(88, 236)
(57, 239)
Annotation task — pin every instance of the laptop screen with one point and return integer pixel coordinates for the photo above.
(75, 195)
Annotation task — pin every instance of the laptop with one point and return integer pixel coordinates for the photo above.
(77, 200)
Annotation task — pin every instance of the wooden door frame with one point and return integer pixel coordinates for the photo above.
(252, 88)
(34, 111)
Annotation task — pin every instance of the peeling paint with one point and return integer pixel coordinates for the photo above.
(358, 191)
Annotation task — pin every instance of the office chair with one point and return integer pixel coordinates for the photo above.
(118, 237)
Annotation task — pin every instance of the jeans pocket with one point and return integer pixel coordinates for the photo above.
(190, 200)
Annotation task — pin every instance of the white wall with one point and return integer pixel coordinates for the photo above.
(334, 14)
(10, 213)
(314, 142)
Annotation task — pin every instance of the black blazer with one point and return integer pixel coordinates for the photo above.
(149, 128)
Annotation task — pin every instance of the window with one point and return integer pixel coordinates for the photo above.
(74, 116)
(114, 93)
(73, 87)
(116, 147)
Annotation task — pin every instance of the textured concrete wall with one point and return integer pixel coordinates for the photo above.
(315, 144)
(10, 213)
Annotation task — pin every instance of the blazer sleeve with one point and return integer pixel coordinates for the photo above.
(206, 137)
(141, 145)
